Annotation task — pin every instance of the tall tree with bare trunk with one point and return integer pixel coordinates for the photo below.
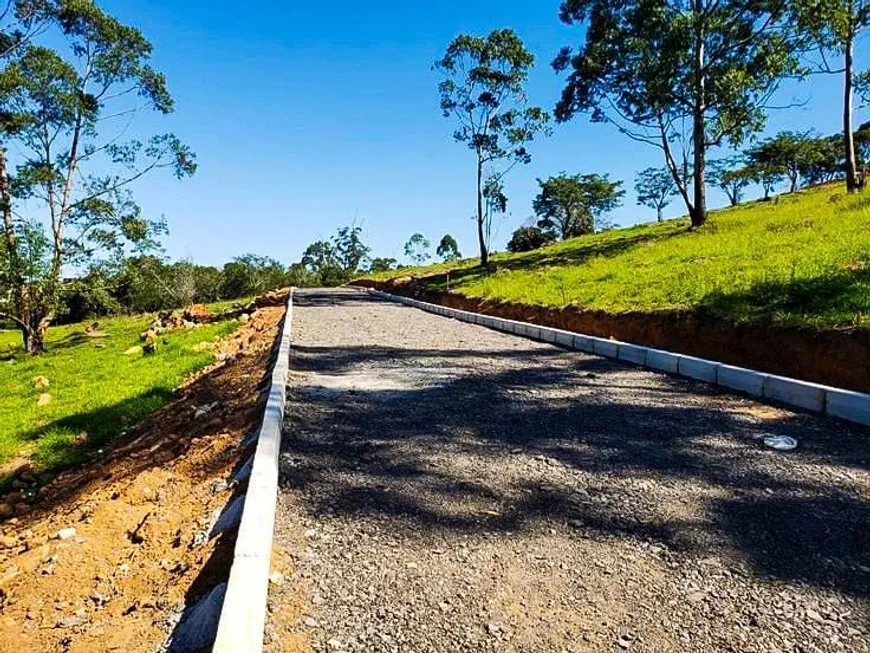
(72, 80)
(484, 91)
(682, 75)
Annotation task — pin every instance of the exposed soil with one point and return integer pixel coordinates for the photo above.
(141, 511)
(445, 487)
(840, 357)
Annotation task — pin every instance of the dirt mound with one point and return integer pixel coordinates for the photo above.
(105, 557)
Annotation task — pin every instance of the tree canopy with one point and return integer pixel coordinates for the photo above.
(682, 76)
(70, 74)
(483, 90)
(569, 205)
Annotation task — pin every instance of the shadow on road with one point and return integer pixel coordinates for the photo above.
(622, 452)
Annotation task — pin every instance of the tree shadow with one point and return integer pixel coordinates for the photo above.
(557, 255)
(844, 293)
(609, 445)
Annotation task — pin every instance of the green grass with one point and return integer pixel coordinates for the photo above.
(99, 391)
(802, 259)
(226, 304)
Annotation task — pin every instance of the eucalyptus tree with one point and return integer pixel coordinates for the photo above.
(483, 90)
(569, 205)
(417, 248)
(448, 249)
(655, 188)
(790, 153)
(682, 75)
(834, 26)
(727, 176)
(68, 92)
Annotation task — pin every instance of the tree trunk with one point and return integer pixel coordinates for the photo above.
(698, 212)
(481, 238)
(659, 213)
(852, 181)
(34, 339)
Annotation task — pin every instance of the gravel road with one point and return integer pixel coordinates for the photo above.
(445, 487)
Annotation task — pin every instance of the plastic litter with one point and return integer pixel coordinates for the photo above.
(780, 442)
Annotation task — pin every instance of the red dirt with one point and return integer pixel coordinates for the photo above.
(840, 358)
(139, 515)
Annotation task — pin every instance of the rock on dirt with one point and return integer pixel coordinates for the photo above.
(111, 586)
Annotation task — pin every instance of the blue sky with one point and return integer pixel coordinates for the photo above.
(305, 117)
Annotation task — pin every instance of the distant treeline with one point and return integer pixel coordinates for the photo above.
(148, 283)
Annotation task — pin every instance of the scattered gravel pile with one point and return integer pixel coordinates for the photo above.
(450, 488)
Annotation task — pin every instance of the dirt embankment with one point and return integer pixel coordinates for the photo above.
(110, 553)
(840, 358)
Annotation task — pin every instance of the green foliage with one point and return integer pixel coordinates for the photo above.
(73, 67)
(833, 26)
(99, 391)
(483, 90)
(790, 154)
(417, 249)
(683, 77)
(727, 175)
(350, 250)
(525, 239)
(336, 261)
(655, 187)
(448, 249)
(571, 205)
(382, 264)
(251, 275)
(802, 259)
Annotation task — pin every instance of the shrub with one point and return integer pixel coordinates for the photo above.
(526, 239)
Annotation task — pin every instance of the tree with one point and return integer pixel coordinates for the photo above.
(790, 153)
(568, 205)
(765, 176)
(349, 249)
(484, 91)
(382, 264)
(335, 261)
(54, 108)
(654, 188)
(448, 249)
(251, 274)
(727, 175)
(525, 239)
(682, 76)
(417, 249)
(834, 26)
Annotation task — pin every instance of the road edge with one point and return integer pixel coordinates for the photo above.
(805, 395)
(242, 621)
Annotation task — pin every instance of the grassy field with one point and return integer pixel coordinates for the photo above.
(802, 259)
(98, 390)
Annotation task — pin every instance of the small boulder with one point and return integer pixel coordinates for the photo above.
(6, 510)
(244, 318)
(66, 533)
(40, 382)
(44, 399)
(135, 349)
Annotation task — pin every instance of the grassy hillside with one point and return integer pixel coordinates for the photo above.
(800, 259)
(98, 390)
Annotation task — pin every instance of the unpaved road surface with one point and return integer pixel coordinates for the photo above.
(446, 488)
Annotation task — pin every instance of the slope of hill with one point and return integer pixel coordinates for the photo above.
(780, 286)
(801, 259)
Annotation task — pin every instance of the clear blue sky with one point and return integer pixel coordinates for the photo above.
(306, 116)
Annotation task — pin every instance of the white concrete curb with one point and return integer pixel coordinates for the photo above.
(843, 404)
(243, 615)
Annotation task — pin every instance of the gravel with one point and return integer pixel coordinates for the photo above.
(445, 487)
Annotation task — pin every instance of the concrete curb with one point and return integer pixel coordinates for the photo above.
(243, 614)
(813, 397)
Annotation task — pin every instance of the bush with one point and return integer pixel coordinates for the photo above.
(526, 239)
